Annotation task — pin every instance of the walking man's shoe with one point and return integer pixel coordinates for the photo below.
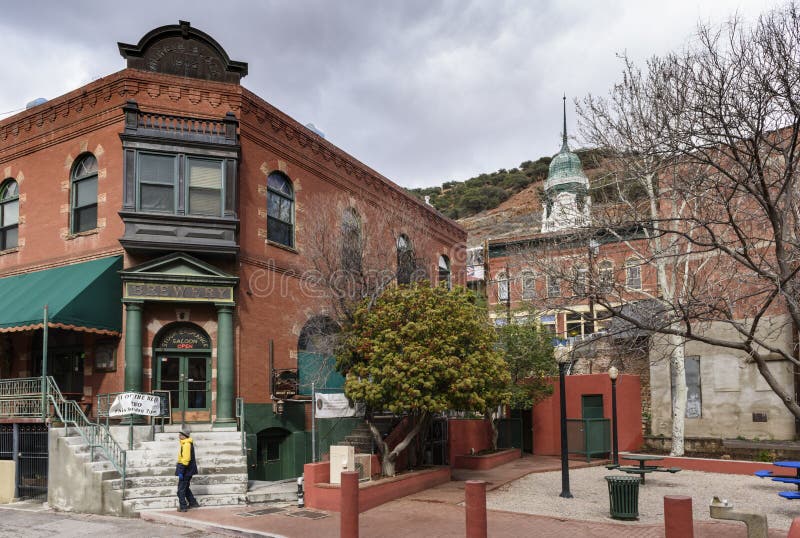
(194, 505)
(182, 509)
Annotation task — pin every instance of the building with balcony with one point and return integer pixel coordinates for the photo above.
(161, 228)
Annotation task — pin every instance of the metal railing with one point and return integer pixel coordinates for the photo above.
(588, 436)
(96, 436)
(240, 420)
(22, 386)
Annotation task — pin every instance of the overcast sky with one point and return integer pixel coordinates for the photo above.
(424, 91)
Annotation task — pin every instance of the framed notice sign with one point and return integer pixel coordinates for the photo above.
(165, 409)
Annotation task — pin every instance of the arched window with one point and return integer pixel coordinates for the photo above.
(9, 214)
(528, 285)
(84, 194)
(405, 259)
(502, 287)
(444, 271)
(316, 363)
(633, 274)
(280, 209)
(606, 271)
(352, 241)
(553, 286)
(581, 278)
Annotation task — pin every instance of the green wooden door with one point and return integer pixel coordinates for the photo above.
(188, 380)
(592, 406)
(271, 454)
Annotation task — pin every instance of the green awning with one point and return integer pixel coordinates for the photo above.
(83, 297)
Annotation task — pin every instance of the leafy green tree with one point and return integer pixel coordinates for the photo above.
(419, 350)
(527, 350)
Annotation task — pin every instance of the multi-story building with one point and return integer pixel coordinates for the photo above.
(172, 223)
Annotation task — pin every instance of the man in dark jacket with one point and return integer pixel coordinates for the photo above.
(185, 470)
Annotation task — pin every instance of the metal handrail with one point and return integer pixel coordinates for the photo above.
(95, 435)
(240, 420)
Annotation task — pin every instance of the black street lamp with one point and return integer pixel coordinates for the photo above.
(563, 362)
(613, 373)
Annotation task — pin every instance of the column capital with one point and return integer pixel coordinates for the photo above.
(224, 307)
(133, 304)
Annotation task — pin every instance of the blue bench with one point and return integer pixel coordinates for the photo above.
(763, 473)
(786, 479)
(790, 494)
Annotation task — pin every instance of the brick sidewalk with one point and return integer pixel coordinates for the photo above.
(434, 512)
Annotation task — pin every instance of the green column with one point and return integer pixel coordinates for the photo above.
(133, 346)
(225, 395)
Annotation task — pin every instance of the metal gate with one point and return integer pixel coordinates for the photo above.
(27, 446)
(437, 442)
(6, 442)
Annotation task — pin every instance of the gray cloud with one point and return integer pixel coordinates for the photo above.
(422, 91)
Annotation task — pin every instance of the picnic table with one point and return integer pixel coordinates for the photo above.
(643, 468)
(784, 479)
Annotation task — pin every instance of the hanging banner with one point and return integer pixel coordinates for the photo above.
(133, 403)
(336, 406)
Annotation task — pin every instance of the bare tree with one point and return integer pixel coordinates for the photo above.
(710, 135)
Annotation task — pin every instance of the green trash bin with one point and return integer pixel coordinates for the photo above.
(623, 496)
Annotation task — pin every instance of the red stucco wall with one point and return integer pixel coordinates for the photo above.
(323, 496)
(466, 434)
(546, 416)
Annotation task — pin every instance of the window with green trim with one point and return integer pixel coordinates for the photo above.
(164, 180)
(9, 214)
(84, 194)
(280, 209)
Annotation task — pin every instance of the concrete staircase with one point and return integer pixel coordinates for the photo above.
(151, 482)
(150, 477)
(360, 438)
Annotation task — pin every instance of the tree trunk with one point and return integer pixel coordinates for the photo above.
(389, 458)
(678, 368)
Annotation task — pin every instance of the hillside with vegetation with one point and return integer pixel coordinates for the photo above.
(501, 203)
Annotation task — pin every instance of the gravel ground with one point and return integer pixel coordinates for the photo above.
(537, 493)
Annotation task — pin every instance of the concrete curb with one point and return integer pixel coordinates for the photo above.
(159, 516)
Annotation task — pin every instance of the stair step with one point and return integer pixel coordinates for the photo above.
(169, 470)
(199, 489)
(157, 481)
(172, 452)
(156, 503)
(201, 436)
(146, 460)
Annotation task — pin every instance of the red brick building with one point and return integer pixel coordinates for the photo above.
(170, 220)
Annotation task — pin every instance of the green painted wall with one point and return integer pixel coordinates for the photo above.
(295, 450)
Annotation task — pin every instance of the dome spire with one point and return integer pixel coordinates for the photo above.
(564, 138)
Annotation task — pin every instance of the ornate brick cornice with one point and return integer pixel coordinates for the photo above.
(359, 174)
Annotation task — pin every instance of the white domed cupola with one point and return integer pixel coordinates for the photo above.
(566, 190)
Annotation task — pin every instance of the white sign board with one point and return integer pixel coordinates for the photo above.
(336, 406)
(130, 403)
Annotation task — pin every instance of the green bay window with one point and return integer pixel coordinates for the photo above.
(179, 184)
(157, 181)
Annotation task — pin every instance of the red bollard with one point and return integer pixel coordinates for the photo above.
(348, 505)
(794, 530)
(476, 508)
(678, 517)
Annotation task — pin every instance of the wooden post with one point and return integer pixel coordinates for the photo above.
(348, 505)
(476, 509)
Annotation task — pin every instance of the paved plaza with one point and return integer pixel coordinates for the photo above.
(439, 511)
(523, 501)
